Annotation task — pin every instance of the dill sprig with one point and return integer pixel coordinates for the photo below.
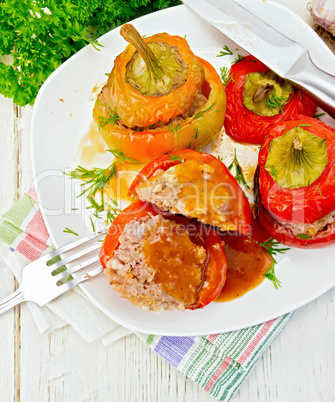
(111, 119)
(230, 79)
(273, 247)
(98, 178)
(225, 52)
(238, 58)
(224, 74)
(174, 129)
(175, 158)
(111, 213)
(239, 173)
(67, 230)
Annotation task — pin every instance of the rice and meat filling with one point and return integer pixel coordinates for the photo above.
(156, 265)
(194, 190)
(311, 229)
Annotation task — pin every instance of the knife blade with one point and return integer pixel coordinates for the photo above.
(281, 54)
(284, 20)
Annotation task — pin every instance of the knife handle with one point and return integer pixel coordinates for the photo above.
(317, 84)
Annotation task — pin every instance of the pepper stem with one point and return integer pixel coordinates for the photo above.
(131, 35)
(261, 91)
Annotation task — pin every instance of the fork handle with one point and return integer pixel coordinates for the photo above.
(12, 300)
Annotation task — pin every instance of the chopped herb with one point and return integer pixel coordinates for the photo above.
(275, 102)
(196, 129)
(67, 230)
(238, 58)
(185, 36)
(225, 52)
(219, 157)
(134, 195)
(175, 129)
(97, 178)
(137, 130)
(273, 172)
(230, 79)
(320, 191)
(303, 236)
(111, 119)
(272, 247)
(74, 209)
(175, 158)
(239, 173)
(107, 74)
(112, 213)
(304, 125)
(317, 116)
(92, 223)
(224, 74)
(202, 112)
(119, 155)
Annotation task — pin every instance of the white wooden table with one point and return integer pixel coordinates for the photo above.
(60, 366)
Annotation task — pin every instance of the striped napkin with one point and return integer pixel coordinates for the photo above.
(219, 363)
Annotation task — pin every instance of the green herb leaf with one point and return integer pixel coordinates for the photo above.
(273, 247)
(239, 173)
(303, 236)
(224, 74)
(67, 230)
(175, 158)
(202, 112)
(238, 58)
(225, 52)
(40, 36)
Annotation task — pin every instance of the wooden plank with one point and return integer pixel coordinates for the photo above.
(8, 321)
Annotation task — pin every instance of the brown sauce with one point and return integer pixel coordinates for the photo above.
(247, 264)
(203, 194)
(178, 263)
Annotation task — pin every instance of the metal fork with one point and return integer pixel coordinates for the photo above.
(42, 281)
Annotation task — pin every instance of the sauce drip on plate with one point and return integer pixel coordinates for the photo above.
(247, 264)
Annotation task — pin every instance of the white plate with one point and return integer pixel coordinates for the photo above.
(62, 115)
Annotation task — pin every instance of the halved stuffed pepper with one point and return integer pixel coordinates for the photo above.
(159, 261)
(196, 185)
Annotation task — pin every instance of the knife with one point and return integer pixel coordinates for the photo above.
(288, 58)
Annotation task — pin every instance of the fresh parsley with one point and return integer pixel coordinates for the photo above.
(40, 35)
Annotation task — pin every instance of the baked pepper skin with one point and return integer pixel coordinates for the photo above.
(215, 270)
(242, 124)
(277, 206)
(240, 204)
(194, 132)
